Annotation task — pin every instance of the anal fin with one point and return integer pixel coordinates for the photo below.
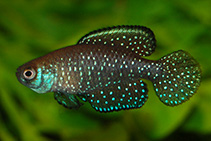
(119, 97)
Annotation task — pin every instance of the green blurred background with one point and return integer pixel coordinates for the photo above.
(29, 29)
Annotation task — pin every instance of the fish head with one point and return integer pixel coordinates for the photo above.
(30, 75)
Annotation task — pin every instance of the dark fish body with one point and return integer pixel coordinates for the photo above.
(106, 68)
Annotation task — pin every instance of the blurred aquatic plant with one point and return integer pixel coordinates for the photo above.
(29, 29)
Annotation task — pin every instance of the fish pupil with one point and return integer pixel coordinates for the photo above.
(28, 73)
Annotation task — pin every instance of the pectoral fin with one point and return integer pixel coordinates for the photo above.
(67, 100)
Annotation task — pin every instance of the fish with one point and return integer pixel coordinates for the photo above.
(107, 68)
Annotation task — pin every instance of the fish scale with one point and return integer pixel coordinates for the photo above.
(106, 68)
(97, 72)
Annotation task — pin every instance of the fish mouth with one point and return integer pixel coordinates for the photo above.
(17, 72)
(18, 75)
(20, 78)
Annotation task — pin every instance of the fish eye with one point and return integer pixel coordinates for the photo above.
(29, 74)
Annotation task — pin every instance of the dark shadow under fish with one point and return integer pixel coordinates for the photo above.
(106, 68)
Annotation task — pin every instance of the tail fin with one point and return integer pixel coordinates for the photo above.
(178, 78)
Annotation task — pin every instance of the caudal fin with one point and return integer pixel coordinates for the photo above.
(178, 78)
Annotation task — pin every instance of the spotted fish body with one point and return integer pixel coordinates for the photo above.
(106, 68)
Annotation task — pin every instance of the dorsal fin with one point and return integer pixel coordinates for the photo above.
(138, 39)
